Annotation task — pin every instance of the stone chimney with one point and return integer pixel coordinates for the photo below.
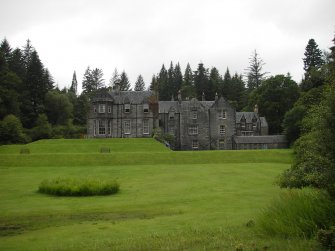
(216, 96)
(179, 96)
(203, 96)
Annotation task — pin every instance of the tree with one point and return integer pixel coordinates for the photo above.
(238, 93)
(200, 80)
(177, 80)
(27, 52)
(154, 85)
(274, 98)
(255, 74)
(163, 88)
(188, 89)
(115, 79)
(139, 84)
(6, 49)
(42, 129)
(226, 86)
(214, 84)
(11, 131)
(124, 82)
(58, 108)
(313, 56)
(74, 84)
(92, 80)
(170, 82)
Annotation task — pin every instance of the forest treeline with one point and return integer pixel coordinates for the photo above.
(32, 104)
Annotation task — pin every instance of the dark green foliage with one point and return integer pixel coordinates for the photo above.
(78, 187)
(326, 237)
(42, 130)
(297, 213)
(214, 84)
(201, 79)
(68, 131)
(24, 150)
(58, 107)
(177, 80)
(124, 82)
(188, 89)
(105, 150)
(163, 88)
(11, 131)
(74, 84)
(154, 85)
(92, 80)
(274, 98)
(292, 123)
(313, 56)
(139, 84)
(255, 72)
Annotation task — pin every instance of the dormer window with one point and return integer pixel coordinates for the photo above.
(145, 108)
(127, 108)
(102, 108)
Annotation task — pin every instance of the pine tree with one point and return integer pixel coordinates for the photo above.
(139, 84)
(74, 84)
(5, 49)
(188, 89)
(49, 81)
(200, 81)
(177, 80)
(124, 82)
(16, 63)
(115, 79)
(163, 87)
(255, 72)
(28, 49)
(214, 83)
(154, 85)
(313, 56)
(238, 93)
(92, 80)
(170, 82)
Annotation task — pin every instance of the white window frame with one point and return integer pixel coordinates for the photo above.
(195, 144)
(146, 126)
(127, 108)
(126, 126)
(222, 130)
(102, 108)
(193, 130)
(109, 109)
(145, 108)
(101, 127)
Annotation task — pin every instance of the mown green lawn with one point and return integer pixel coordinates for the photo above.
(167, 201)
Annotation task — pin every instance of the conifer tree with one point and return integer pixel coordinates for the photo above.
(154, 85)
(200, 80)
(139, 84)
(313, 56)
(214, 83)
(92, 80)
(255, 72)
(177, 80)
(163, 84)
(124, 82)
(188, 89)
(170, 82)
(6, 49)
(115, 79)
(74, 84)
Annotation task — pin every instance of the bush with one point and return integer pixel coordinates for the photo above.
(78, 187)
(11, 131)
(327, 238)
(298, 213)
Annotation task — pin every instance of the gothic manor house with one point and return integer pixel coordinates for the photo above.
(195, 124)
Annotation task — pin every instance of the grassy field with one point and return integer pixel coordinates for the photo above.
(167, 200)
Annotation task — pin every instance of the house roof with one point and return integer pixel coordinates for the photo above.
(133, 97)
(269, 139)
(247, 115)
(166, 106)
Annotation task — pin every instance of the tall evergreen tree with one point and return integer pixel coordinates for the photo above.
(177, 80)
(74, 84)
(201, 81)
(49, 81)
(313, 56)
(124, 82)
(163, 84)
(170, 82)
(239, 95)
(27, 52)
(16, 63)
(92, 80)
(227, 85)
(214, 83)
(255, 72)
(115, 79)
(154, 85)
(139, 84)
(188, 89)
(5, 49)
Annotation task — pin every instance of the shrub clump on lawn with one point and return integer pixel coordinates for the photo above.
(298, 212)
(78, 187)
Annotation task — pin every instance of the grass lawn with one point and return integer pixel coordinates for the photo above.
(167, 200)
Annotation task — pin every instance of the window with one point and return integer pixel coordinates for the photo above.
(127, 108)
(146, 126)
(109, 128)
(145, 108)
(94, 127)
(222, 114)
(102, 108)
(95, 109)
(193, 130)
(195, 144)
(102, 128)
(126, 127)
(194, 115)
(171, 115)
(109, 109)
(222, 130)
(221, 144)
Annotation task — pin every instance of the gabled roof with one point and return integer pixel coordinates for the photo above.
(269, 139)
(166, 106)
(247, 115)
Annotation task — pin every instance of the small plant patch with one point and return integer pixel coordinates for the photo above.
(105, 150)
(78, 187)
(24, 151)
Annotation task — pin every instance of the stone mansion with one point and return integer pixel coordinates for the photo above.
(195, 124)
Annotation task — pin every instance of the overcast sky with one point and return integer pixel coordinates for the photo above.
(139, 36)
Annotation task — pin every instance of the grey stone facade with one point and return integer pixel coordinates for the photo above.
(195, 125)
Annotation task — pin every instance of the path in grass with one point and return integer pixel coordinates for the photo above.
(164, 204)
